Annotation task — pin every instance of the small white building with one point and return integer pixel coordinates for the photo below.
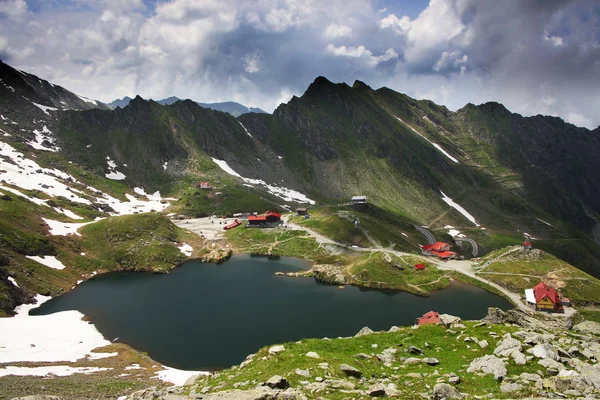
(359, 200)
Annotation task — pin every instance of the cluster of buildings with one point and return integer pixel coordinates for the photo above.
(269, 219)
(440, 250)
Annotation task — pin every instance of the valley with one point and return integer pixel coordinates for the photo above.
(88, 192)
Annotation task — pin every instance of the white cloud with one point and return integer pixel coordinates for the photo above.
(578, 119)
(252, 63)
(13, 9)
(335, 31)
(362, 53)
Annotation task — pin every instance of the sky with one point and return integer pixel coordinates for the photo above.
(534, 56)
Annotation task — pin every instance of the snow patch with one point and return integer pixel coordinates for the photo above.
(44, 108)
(404, 234)
(165, 166)
(48, 261)
(88, 100)
(547, 223)
(12, 280)
(458, 208)
(245, 130)
(58, 370)
(281, 192)
(99, 356)
(279, 157)
(112, 172)
(58, 228)
(61, 336)
(40, 138)
(437, 146)
(133, 366)
(68, 213)
(177, 376)
(186, 249)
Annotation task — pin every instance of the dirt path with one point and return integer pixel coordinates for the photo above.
(461, 266)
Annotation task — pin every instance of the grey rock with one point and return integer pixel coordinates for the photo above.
(277, 382)
(340, 384)
(377, 390)
(545, 350)
(412, 360)
(394, 329)
(364, 331)
(276, 349)
(530, 377)
(302, 372)
(488, 365)
(363, 356)
(507, 346)
(448, 319)
(312, 354)
(431, 361)
(510, 387)
(483, 343)
(588, 327)
(550, 363)
(350, 370)
(414, 350)
(445, 391)
(454, 380)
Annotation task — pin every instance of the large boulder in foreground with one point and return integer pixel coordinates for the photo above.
(588, 327)
(488, 365)
(445, 391)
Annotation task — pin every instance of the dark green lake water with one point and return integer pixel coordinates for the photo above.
(207, 316)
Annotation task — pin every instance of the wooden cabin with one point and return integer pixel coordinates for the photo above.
(543, 298)
(301, 211)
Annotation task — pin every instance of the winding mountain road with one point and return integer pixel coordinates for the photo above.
(474, 246)
(428, 235)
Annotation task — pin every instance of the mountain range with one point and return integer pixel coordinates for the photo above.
(231, 107)
(496, 176)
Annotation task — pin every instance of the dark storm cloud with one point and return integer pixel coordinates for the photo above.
(535, 56)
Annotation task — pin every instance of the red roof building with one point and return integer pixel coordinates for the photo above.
(431, 317)
(544, 298)
(269, 219)
(420, 267)
(440, 250)
(232, 225)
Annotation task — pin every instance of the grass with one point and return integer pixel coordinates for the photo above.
(453, 353)
(523, 269)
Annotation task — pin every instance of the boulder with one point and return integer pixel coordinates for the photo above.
(377, 390)
(483, 343)
(545, 350)
(394, 329)
(277, 382)
(550, 363)
(431, 361)
(448, 319)
(363, 356)
(510, 387)
(588, 327)
(414, 350)
(291, 394)
(445, 391)
(488, 365)
(364, 331)
(507, 346)
(530, 377)
(519, 357)
(412, 360)
(302, 372)
(312, 354)
(350, 370)
(340, 384)
(276, 349)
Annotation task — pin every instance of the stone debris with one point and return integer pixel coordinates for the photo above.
(276, 349)
(350, 370)
(364, 331)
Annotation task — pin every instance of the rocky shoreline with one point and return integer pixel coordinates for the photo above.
(538, 356)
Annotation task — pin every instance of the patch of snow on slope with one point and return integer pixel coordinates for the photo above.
(547, 223)
(437, 146)
(61, 336)
(165, 166)
(245, 130)
(281, 192)
(98, 356)
(57, 370)
(88, 100)
(68, 213)
(12, 280)
(44, 108)
(458, 208)
(177, 376)
(186, 249)
(41, 137)
(48, 261)
(58, 228)
(112, 172)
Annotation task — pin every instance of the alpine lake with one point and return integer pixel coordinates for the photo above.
(207, 317)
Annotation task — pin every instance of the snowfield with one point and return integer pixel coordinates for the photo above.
(58, 370)
(58, 228)
(458, 208)
(48, 261)
(281, 192)
(177, 376)
(186, 249)
(112, 172)
(42, 136)
(245, 130)
(44, 108)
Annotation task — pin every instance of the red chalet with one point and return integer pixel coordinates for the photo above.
(527, 245)
(440, 250)
(431, 317)
(543, 298)
(269, 220)
(420, 267)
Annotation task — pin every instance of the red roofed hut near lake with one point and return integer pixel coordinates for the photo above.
(420, 267)
(269, 220)
(440, 250)
(431, 317)
(527, 245)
